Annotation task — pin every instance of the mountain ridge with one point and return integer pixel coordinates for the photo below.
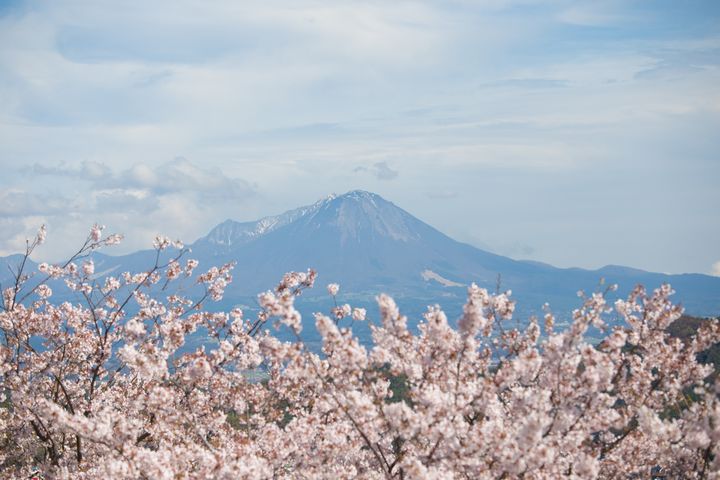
(370, 245)
(231, 231)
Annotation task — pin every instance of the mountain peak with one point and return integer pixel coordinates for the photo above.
(353, 196)
(360, 195)
(359, 215)
(364, 200)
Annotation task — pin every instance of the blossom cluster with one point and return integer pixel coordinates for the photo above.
(107, 387)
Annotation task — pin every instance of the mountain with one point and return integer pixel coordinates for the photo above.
(369, 245)
(358, 239)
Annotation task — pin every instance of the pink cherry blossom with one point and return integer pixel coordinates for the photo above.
(114, 384)
(96, 232)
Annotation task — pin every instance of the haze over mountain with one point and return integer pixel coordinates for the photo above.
(369, 245)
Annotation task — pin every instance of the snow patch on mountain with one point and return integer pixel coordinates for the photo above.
(428, 275)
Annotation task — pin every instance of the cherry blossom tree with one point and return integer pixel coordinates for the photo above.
(105, 386)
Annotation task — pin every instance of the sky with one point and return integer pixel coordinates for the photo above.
(577, 133)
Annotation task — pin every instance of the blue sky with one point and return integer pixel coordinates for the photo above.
(575, 133)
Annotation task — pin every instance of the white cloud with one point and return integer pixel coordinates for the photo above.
(20, 203)
(15, 230)
(384, 172)
(179, 198)
(177, 176)
(380, 170)
(715, 270)
(88, 169)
